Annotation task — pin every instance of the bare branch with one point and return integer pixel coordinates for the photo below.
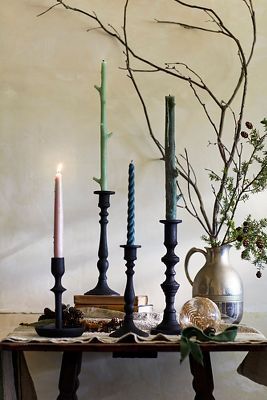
(93, 29)
(184, 175)
(186, 26)
(131, 76)
(192, 213)
(139, 70)
(50, 8)
(114, 29)
(111, 32)
(189, 168)
(205, 109)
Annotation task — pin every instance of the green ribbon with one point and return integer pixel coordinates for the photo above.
(187, 346)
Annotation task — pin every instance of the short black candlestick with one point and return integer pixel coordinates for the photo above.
(102, 287)
(58, 270)
(57, 329)
(169, 324)
(128, 325)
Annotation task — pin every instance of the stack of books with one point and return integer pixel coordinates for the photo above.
(108, 302)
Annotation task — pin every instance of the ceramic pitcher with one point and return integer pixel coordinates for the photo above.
(218, 281)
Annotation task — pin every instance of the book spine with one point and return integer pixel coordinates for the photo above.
(100, 300)
(115, 307)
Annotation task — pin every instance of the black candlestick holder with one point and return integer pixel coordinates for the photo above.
(128, 325)
(57, 329)
(169, 324)
(102, 287)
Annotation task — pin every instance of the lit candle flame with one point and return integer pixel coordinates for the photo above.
(59, 168)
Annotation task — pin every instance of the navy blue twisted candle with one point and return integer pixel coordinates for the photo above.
(131, 216)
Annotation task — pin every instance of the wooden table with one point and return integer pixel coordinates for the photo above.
(72, 360)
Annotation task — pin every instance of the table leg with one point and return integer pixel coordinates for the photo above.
(202, 378)
(68, 380)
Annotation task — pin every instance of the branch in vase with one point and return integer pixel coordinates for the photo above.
(196, 83)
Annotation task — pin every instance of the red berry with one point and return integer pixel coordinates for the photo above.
(258, 274)
(244, 134)
(249, 125)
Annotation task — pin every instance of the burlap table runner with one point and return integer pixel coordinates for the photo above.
(27, 334)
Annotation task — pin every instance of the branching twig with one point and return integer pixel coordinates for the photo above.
(50, 8)
(186, 26)
(184, 174)
(160, 147)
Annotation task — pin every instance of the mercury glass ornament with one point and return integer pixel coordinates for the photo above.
(200, 312)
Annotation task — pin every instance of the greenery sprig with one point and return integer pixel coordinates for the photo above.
(188, 346)
(251, 237)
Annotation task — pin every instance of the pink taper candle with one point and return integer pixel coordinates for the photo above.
(58, 215)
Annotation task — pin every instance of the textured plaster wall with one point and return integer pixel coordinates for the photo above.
(49, 112)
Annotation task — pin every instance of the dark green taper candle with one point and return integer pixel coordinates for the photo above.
(170, 168)
(131, 206)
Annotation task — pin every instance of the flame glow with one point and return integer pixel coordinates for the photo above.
(59, 168)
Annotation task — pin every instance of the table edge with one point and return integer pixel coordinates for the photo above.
(129, 347)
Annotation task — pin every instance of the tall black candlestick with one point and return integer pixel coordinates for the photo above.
(169, 324)
(102, 287)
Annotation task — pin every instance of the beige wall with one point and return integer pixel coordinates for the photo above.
(50, 113)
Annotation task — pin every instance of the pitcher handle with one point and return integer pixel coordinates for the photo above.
(186, 262)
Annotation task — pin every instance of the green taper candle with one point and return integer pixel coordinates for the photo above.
(170, 168)
(104, 135)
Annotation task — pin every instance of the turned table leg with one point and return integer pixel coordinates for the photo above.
(202, 378)
(68, 380)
